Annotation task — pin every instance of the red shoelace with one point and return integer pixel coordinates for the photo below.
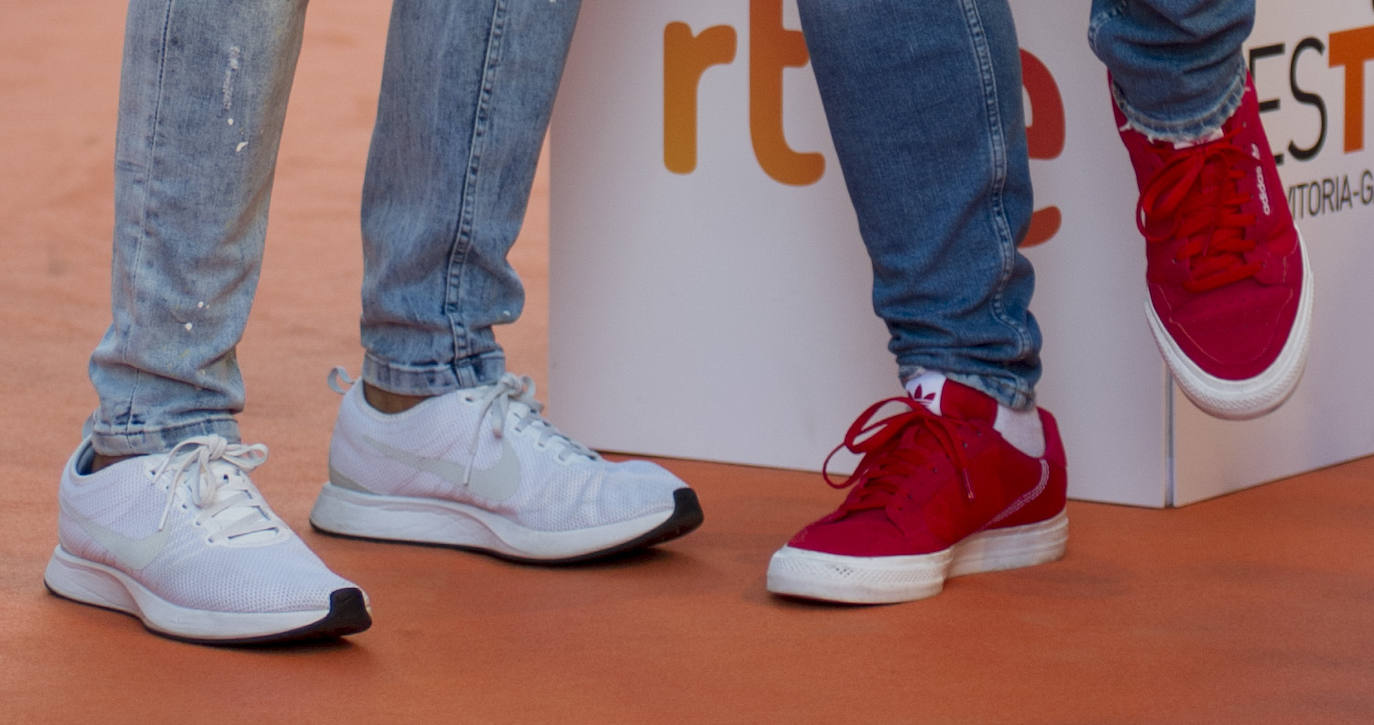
(1198, 190)
(893, 453)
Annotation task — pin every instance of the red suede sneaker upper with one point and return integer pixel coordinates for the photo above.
(926, 481)
(1224, 267)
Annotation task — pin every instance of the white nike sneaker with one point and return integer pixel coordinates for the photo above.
(186, 543)
(480, 469)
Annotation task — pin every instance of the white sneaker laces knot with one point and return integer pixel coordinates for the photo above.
(215, 490)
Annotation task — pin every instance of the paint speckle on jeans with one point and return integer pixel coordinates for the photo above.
(227, 89)
(200, 305)
(188, 326)
(241, 146)
(231, 122)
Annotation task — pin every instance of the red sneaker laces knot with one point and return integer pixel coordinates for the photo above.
(1198, 193)
(886, 462)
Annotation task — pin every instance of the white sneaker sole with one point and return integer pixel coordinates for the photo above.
(887, 579)
(343, 511)
(1252, 397)
(93, 583)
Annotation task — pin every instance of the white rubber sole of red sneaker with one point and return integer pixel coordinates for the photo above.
(448, 523)
(89, 582)
(1252, 397)
(887, 579)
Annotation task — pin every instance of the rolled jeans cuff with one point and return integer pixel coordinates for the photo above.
(434, 379)
(1187, 129)
(108, 440)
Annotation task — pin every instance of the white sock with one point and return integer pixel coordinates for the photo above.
(1022, 429)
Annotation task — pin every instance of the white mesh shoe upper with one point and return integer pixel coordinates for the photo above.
(489, 447)
(191, 527)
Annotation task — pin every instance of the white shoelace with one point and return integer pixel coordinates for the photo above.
(189, 463)
(520, 389)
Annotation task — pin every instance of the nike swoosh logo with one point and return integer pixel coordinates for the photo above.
(133, 554)
(497, 483)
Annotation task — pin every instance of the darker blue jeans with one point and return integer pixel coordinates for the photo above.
(924, 104)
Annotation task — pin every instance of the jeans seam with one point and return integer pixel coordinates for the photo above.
(998, 150)
(462, 245)
(148, 175)
(1097, 21)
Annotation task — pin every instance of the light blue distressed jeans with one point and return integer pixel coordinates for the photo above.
(466, 93)
(923, 98)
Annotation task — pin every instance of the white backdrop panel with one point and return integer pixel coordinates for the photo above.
(722, 315)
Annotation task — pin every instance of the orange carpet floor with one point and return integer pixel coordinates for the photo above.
(1257, 607)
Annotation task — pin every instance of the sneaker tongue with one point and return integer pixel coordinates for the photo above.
(249, 516)
(521, 411)
(946, 398)
(928, 389)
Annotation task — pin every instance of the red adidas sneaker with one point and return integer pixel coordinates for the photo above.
(1230, 287)
(939, 493)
